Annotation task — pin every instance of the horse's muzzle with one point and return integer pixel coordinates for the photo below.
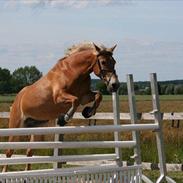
(113, 88)
(113, 85)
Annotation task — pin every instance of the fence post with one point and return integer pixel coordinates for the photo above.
(135, 134)
(133, 115)
(57, 151)
(116, 115)
(159, 132)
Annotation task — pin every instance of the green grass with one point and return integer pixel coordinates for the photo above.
(154, 174)
(7, 98)
(171, 97)
(10, 98)
(146, 97)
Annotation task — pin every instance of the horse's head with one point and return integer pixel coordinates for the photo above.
(105, 68)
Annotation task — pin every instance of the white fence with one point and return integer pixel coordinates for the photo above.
(77, 175)
(107, 173)
(104, 173)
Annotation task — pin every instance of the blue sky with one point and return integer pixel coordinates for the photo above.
(149, 33)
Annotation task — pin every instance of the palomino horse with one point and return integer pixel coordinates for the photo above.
(63, 89)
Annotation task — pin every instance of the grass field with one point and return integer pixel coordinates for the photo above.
(147, 97)
(6, 98)
(10, 98)
(173, 137)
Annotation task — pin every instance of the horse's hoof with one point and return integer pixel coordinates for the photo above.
(61, 120)
(87, 112)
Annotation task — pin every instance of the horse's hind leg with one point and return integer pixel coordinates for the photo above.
(14, 122)
(9, 153)
(29, 154)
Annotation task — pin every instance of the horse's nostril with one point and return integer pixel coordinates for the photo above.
(115, 86)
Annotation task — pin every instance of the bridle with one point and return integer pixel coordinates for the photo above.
(103, 71)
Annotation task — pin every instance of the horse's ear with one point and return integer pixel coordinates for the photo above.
(112, 49)
(98, 49)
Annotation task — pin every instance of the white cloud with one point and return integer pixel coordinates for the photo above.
(137, 56)
(62, 3)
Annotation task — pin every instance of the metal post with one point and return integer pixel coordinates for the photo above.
(116, 113)
(133, 115)
(159, 132)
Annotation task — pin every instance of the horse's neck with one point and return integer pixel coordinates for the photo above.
(83, 62)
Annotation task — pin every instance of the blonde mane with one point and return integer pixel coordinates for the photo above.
(81, 47)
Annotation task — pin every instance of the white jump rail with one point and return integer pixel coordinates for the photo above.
(69, 130)
(67, 145)
(93, 174)
(166, 116)
(51, 159)
(77, 129)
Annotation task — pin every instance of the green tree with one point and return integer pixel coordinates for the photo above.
(102, 88)
(163, 89)
(24, 76)
(178, 89)
(123, 89)
(136, 88)
(159, 89)
(169, 90)
(147, 90)
(5, 78)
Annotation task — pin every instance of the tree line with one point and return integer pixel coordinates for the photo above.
(21, 77)
(174, 87)
(24, 76)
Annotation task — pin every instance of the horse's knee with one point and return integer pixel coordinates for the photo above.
(5, 168)
(28, 167)
(29, 152)
(75, 102)
(9, 153)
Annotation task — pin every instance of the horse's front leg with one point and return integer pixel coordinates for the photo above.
(67, 99)
(96, 98)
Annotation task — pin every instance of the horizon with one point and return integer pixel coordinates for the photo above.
(148, 34)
